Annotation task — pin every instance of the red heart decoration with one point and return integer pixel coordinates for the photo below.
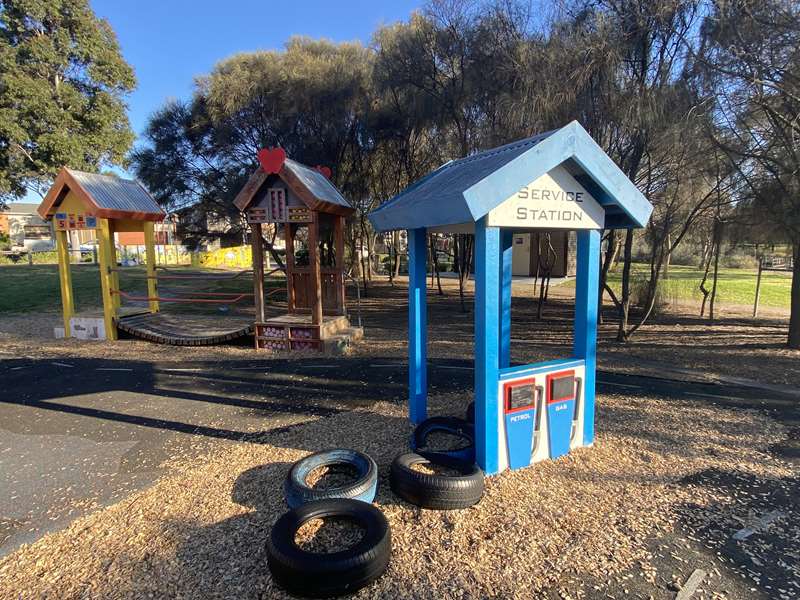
(271, 159)
(326, 171)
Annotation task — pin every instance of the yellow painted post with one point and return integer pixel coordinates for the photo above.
(150, 257)
(112, 253)
(106, 242)
(65, 278)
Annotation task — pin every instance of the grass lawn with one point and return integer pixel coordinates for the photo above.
(31, 288)
(735, 286)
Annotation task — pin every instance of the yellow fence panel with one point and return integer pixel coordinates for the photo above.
(239, 257)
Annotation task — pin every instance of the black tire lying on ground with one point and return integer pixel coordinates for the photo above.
(469, 415)
(437, 491)
(363, 487)
(451, 425)
(316, 575)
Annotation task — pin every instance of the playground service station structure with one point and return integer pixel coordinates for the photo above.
(556, 180)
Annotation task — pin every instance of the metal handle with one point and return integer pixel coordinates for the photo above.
(578, 389)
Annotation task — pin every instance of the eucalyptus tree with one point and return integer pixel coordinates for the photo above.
(624, 65)
(63, 84)
(310, 99)
(751, 57)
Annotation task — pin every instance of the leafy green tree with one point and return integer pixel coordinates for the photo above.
(63, 83)
(310, 99)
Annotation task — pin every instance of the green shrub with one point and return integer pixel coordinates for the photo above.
(739, 261)
(45, 258)
(668, 291)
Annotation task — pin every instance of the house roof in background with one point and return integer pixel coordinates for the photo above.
(106, 196)
(465, 190)
(20, 208)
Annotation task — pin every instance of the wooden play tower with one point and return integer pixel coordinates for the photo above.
(310, 212)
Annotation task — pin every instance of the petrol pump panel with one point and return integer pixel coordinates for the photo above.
(520, 398)
(561, 411)
(540, 413)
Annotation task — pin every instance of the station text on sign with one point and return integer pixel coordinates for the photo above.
(553, 201)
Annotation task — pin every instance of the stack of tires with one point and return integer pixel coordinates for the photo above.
(305, 573)
(454, 481)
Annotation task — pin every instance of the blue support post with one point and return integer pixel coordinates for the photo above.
(586, 294)
(487, 334)
(417, 325)
(506, 259)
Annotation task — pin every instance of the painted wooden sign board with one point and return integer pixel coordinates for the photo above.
(74, 221)
(553, 201)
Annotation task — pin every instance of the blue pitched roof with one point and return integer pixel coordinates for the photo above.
(465, 190)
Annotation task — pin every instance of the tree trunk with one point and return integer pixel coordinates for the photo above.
(396, 244)
(625, 296)
(612, 247)
(464, 253)
(435, 262)
(718, 236)
(709, 254)
(794, 319)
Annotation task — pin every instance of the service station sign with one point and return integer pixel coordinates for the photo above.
(554, 201)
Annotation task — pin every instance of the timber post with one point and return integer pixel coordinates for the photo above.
(150, 257)
(65, 277)
(258, 271)
(316, 276)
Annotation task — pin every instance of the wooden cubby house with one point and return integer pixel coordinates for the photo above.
(310, 213)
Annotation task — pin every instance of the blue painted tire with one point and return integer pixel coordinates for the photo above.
(452, 425)
(365, 485)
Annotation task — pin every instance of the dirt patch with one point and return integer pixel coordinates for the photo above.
(200, 532)
(732, 346)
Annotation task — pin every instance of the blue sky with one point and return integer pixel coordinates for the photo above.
(170, 42)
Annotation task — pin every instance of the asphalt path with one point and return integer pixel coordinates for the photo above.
(76, 434)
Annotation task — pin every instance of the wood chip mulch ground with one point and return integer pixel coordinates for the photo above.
(591, 516)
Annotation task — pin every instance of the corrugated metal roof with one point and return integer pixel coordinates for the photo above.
(444, 187)
(114, 193)
(462, 191)
(317, 184)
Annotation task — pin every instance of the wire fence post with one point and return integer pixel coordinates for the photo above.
(758, 286)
